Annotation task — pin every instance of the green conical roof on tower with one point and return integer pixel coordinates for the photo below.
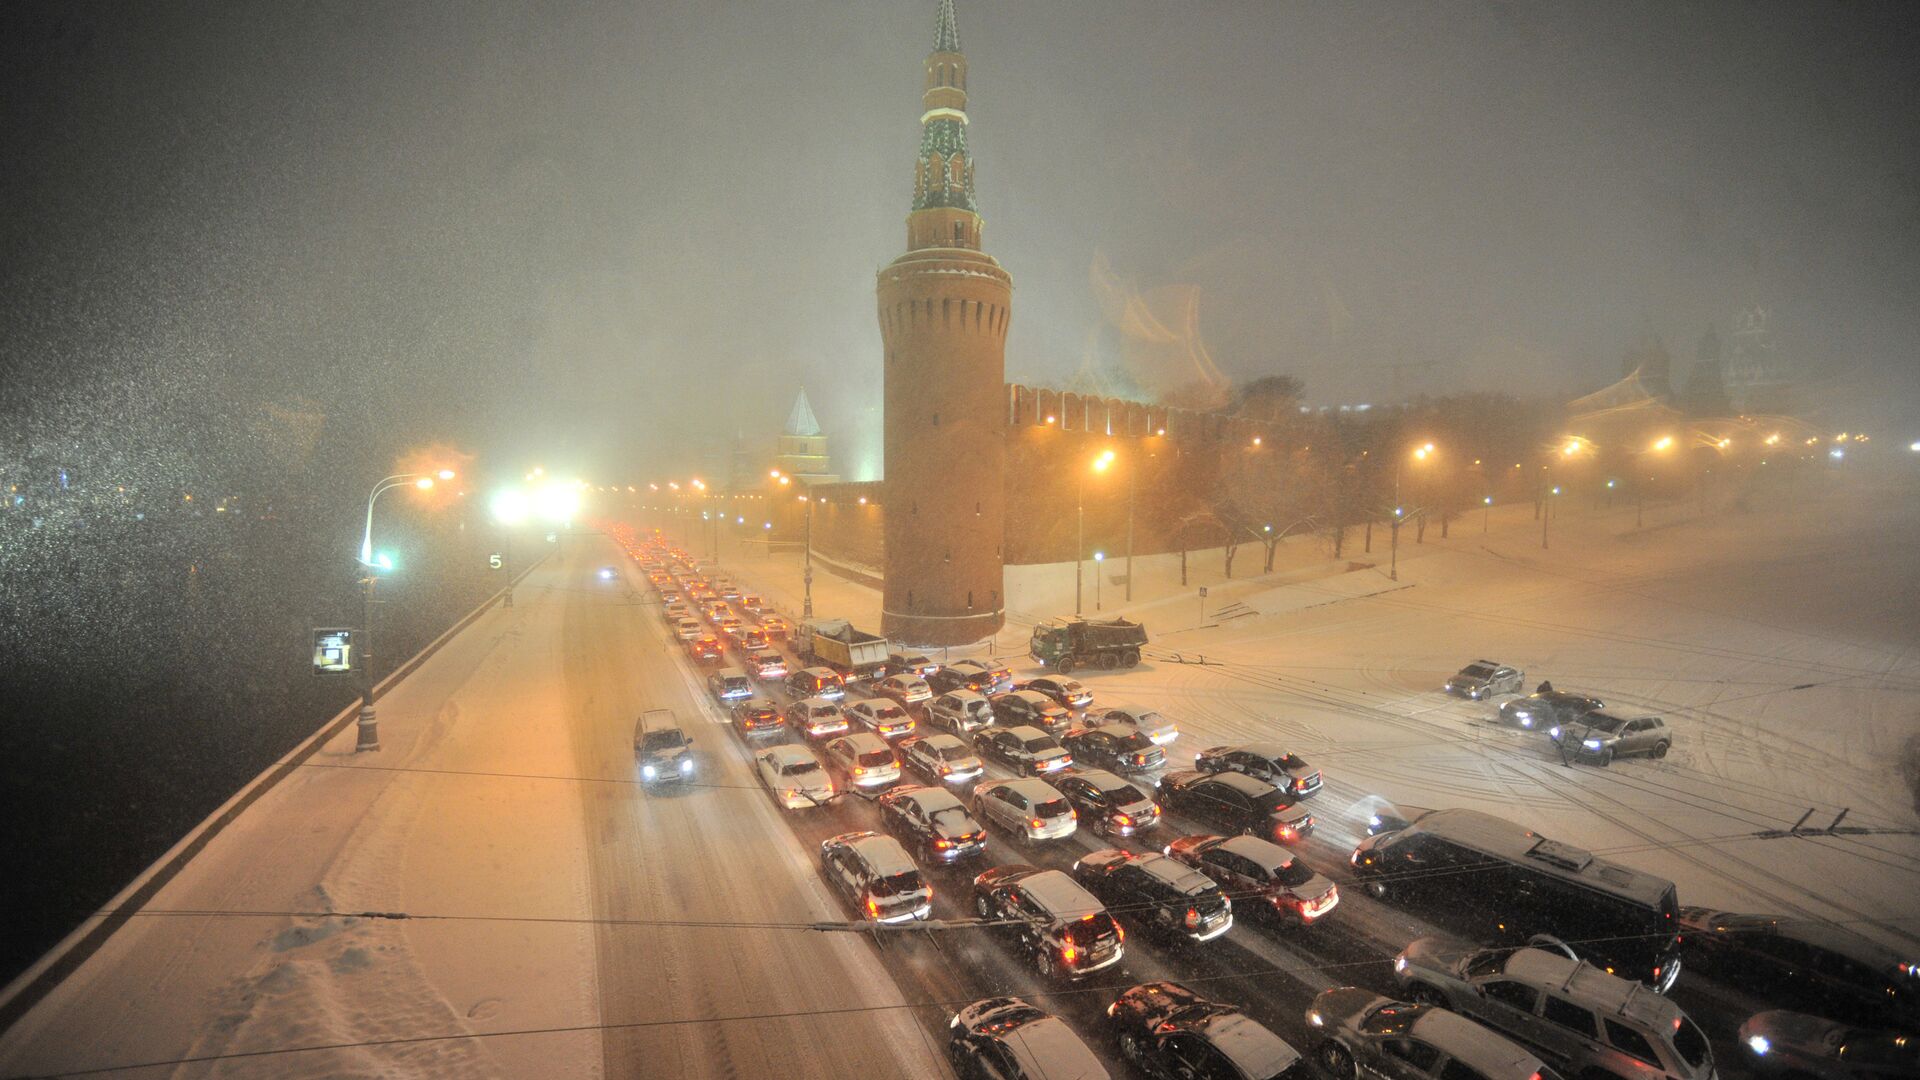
(947, 37)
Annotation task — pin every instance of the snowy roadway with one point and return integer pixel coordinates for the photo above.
(551, 899)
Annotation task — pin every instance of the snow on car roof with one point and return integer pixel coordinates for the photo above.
(1591, 986)
(788, 754)
(1035, 789)
(1248, 1043)
(1060, 895)
(1268, 855)
(1492, 1054)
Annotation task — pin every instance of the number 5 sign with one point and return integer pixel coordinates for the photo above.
(493, 561)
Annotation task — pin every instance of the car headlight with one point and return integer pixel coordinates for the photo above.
(1373, 821)
(647, 771)
(1525, 720)
(1759, 1045)
(686, 764)
(1316, 1019)
(1400, 963)
(1554, 731)
(1591, 744)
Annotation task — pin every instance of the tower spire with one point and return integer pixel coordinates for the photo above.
(944, 213)
(947, 37)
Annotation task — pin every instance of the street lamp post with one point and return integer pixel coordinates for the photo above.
(1100, 464)
(1420, 453)
(1546, 513)
(368, 736)
(1099, 559)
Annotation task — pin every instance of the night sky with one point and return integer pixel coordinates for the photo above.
(608, 236)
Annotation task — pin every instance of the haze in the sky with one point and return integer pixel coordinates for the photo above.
(610, 235)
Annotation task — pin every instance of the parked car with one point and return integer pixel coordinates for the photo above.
(1033, 809)
(1029, 707)
(1406, 1040)
(1796, 1046)
(1166, 1030)
(1147, 722)
(1266, 877)
(971, 675)
(1108, 803)
(1270, 762)
(932, 821)
(756, 716)
(728, 684)
(1600, 737)
(1485, 678)
(1579, 1018)
(793, 776)
(941, 758)
(882, 717)
(1808, 966)
(1116, 747)
(863, 760)
(767, 665)
(1163, 895)
(875, 872)
(912, 663)
(1546, 707)
(1236, 803)
(817, 682)
(905, 689)
(1064, 931)
(1027, 751)
(1068, 693)
(1005, 1038)
(816, 718)
(961, 712)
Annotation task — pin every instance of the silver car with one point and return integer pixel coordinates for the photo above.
(1570, 1012)
(961, 712)
(1361, 1031)
(1601, 737)
(1485, 678)
(1031, 808)
(1147, 722)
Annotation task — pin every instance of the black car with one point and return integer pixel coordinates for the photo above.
(912, 663)
(1807, 966)
(933, 822)
(1236, 803)
(1107, 802)
(1167, 1030)
(1547, 707)
(1263, 761)
(1062, 928)
(1119, 747)
(1265, 876)
(1032, 708)
(1027, 751)
(970, 675)
(1160, 894)
(1008, 1039)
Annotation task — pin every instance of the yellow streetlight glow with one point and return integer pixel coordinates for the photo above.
(1256, 440)
(775, 473)
(1663, 443)
(423, 483)
(1103, 462)
(445, 474)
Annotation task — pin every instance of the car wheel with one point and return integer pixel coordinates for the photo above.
(1377, 889)
(1131, 658)
(1606, 758)
(1659, 749)
(981, 906)
(1106, 661)
(1045, 964)
(1065, 666)
(1130, 1047)
(1336, 1060)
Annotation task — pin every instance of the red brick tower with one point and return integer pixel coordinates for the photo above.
(944, 308)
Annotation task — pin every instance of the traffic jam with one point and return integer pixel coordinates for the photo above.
(1083, 893)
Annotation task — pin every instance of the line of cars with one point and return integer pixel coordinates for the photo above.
(1579, 724)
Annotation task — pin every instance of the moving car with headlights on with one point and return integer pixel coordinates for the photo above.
(903, 689)
(863, 760)
(663, 751)
(1236, 802)
(1547, 707)
(1796, 1046)
(1485, 678)
(961, 712)
(1032, 709)
(1810, 966)
(795, 779)
(1061, 690)
(1405, 1040)
(1268, 878)
(756, 716)
(1063, 930)
(1576, 1016)
(1110, 804)
(1168, 897)
(1153, 725)
(1005, 1038)
(875, 873)
(1167, 1030)
(882, 717)
(1116, 747)
(933, 821)
(1033, 809)
(1600, 737)
(1263, 761)
(1027, 751)
(941, 758)
(816, 718)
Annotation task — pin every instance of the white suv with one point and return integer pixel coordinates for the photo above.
(1031, 808)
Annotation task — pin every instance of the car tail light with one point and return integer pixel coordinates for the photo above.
(943, 844)
(1069, 953)
(1036, 823)
(1285, 832)
(1120, 930)
(859, 770)
(872, 907)
(1193, 918)
(1123, 819)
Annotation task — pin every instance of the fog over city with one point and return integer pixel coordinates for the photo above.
(1065, 538)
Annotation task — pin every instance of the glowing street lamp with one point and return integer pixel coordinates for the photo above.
(1100, 464)
(369, 730)
(1420, 453)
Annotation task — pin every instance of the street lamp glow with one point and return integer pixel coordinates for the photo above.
(1556, 489)
(1256, 440)
(384, 560)
(557, 502)
(445, 474)
(775, 473)
(1099, 556)
(1104, 461)
(1663, 443)
(509, 507)
(423, 483)
(1486, 500)
(1915, 446)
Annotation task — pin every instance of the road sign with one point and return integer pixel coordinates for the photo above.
(494, 562)
(332, 651)
(1203, 590)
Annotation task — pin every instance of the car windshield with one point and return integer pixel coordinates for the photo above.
(800, 770)
(668, 739)
(1476, 671)
(1691, 1043)
(1393, 1018)
(874, 759)
(886, 712)
(1052, 808)
(1292, 873)
(954, 816)
(823, 710)
(955, 752)
(1486, 962)
(1086, 933)
(1603, 722)
(1290, 761)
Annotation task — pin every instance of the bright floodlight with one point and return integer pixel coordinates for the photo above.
(1664, 442)
(445, 474)
(423, 483)
(1103, 462)
(1099, 556)
(509, 507)
(557, 502)
(384, 560)
(1915, 447)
